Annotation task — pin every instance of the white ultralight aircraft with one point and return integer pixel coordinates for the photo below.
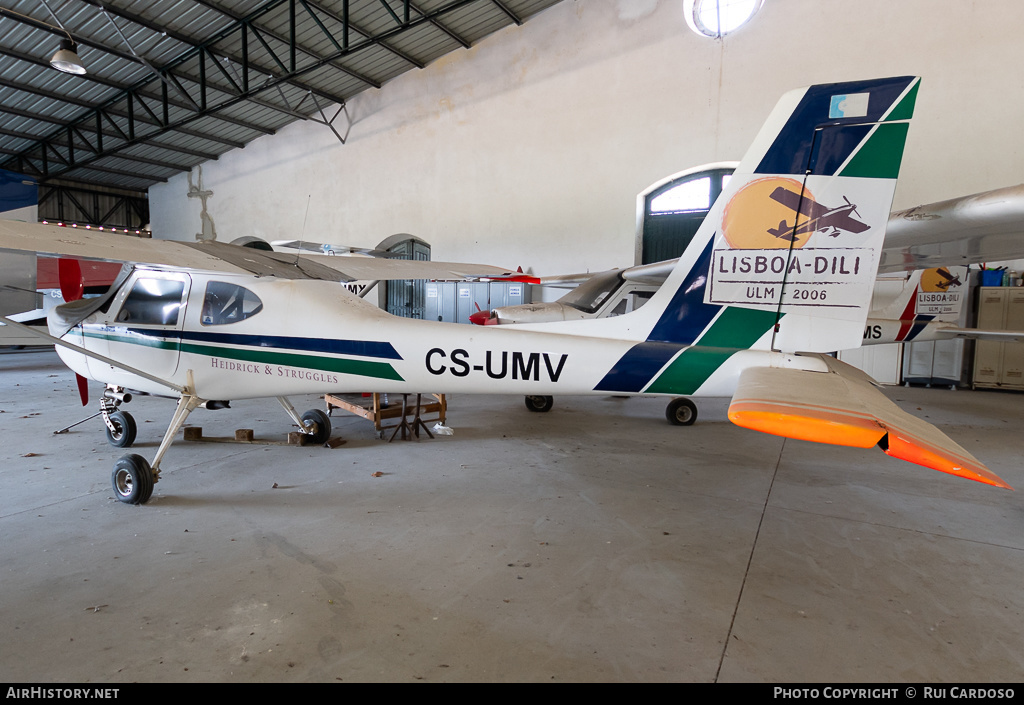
(742, 314)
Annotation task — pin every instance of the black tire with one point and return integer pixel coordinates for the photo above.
(132, 480)
(681, 412)
(125, 435)
(540, 404)
(321, 426)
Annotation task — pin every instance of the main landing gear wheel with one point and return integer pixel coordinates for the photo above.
(132, 480)
(321, 426)
(539, 404)
(681, 412)
(124, 435)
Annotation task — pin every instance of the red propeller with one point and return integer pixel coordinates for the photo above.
(481, 317)
(72, 287)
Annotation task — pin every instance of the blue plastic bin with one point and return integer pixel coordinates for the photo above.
(991, 277)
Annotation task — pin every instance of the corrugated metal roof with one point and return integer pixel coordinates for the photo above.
(171, 84)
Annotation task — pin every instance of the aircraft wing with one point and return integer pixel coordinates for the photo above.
(843, 407)
(229, 259)
(323, 248)
(372, 268)
(984, 227)
(93, 244)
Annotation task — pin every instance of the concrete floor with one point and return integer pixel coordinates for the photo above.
(593, 543)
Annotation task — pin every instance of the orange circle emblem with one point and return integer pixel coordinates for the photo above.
(938, 279)
(752, 215)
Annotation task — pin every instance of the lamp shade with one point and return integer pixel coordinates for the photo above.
(66, 59)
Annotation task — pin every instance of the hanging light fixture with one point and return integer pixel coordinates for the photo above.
(66, 59)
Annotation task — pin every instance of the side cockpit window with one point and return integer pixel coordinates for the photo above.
(153, 302)
(228, 303)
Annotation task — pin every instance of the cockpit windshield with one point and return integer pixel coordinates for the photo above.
(591, 294)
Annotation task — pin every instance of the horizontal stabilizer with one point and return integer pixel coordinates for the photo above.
(999, 336)
(843, 407)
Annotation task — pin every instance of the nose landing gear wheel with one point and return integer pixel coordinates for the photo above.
(124, 436)
(132, 480)
(321, 426)
(539, 403)
(681, 412)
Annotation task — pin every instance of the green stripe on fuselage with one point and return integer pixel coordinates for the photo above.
(362, 368)
(736, 329)
(149, 341)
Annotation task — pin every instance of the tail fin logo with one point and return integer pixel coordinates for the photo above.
(750, 218)
(940, 292)
(795, 245)
(940, 279)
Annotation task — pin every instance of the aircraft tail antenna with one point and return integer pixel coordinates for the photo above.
(302, 233)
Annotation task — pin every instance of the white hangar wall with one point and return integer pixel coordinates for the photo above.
(531, 147)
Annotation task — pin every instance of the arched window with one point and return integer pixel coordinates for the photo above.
(675, 208)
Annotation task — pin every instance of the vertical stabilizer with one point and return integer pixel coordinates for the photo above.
(795, 238)
(787, 257)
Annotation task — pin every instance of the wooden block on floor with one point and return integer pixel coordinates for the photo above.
(244, 434)
(193, 433)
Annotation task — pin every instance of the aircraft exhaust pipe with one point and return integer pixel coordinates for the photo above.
(122, 397)
(215, 404)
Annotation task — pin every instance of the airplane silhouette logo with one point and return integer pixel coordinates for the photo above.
(939, 279)
(818, 217)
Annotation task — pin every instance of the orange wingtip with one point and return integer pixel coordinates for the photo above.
(900, 444)
(820, 424)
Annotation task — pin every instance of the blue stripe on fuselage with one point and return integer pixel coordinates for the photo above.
(920, 323)
(686, 315)
(637, 367)
(357, 348)
(684, 319)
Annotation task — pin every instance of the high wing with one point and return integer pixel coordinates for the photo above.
(227, 259)
(325, 248)
(983, 227)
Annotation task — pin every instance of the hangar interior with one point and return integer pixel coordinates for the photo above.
(591, 543)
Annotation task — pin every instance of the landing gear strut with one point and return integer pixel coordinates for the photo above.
(314, 423)
(133, 478)
(121, 428)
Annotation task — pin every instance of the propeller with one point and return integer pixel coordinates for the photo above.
(72, 287)
(481, 317)
(853, 208)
